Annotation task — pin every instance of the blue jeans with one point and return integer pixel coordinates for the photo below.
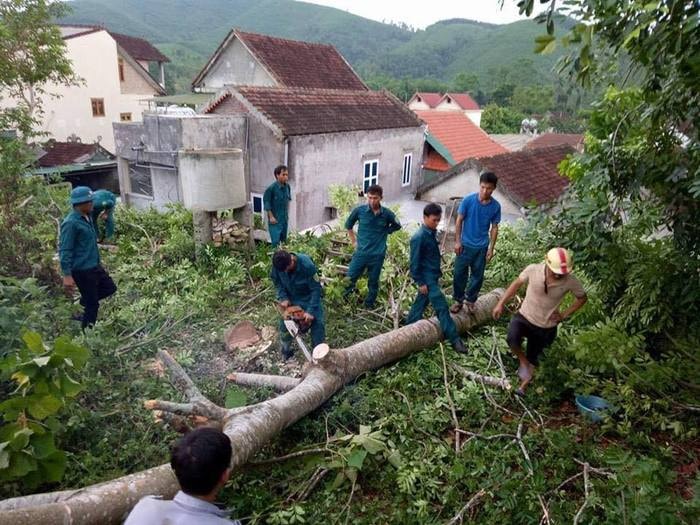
(471, 260)
(373, 264)
(442, 310)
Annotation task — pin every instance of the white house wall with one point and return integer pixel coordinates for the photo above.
(317, 161)
(415, 105)
(236, 66)
(95, 60)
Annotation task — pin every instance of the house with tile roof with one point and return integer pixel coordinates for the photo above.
(547, 140)
(462, 102)
(526, 178)
(114, 69)
(452, 137)
(249, 59)
(78, 163)
(287, 102)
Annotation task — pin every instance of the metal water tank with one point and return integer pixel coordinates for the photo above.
(212, 179)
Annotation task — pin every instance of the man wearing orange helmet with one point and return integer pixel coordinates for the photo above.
(539, 315)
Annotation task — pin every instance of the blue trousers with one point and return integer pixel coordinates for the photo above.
(278, 233)
(471, 260)
(373, 264)
(437, 299)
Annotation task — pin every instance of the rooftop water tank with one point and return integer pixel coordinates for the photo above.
(212, 179)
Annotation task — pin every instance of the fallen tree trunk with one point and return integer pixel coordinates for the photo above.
(249, 428)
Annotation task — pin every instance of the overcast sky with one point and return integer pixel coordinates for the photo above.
(425, 12)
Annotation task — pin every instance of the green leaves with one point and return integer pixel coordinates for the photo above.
(545, 44)
(43, 385)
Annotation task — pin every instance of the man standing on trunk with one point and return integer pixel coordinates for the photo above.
(80, 258)
(276, 201)
(476, 231)
(426, 273)
(376, 223)
(539, 315)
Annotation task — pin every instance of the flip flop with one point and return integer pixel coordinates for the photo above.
(456, 308)
(520, 392)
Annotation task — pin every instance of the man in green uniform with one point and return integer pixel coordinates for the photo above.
(103, 208)
(376, 223)
(426, 272)
(276, 201)
(294, 276)
(80, 259)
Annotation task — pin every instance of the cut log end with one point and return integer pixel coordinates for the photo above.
(321, 351)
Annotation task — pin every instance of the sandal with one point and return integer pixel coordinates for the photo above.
(456, 308)
(520, 392)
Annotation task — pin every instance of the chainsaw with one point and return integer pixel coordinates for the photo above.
(297, 325)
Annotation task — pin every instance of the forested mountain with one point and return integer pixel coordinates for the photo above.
(188, 31)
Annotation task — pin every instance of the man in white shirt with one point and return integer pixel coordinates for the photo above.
(201, 460)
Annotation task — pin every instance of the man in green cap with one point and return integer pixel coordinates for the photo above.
(375, 225)
(276, 201)
(80, 258)
(103, 208)
(295, 278)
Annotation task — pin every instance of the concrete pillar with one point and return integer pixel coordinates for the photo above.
(202, 228)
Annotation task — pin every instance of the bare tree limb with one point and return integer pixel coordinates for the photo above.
(278, 383)
(587, 492)
(471, 503)
(455, 420)
(488, 380)
(180, 378)
(298, 454)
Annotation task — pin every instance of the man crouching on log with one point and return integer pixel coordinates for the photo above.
(294, 276)
(539, 315)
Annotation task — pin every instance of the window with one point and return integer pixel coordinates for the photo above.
(140, 180)
(407, 165)
(98, 107)
(121, 70)
(369, 175)
(256, 203)
(125, 117)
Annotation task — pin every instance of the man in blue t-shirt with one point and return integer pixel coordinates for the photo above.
(476, 231)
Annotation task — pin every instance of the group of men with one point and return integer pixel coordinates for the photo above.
(476, 231)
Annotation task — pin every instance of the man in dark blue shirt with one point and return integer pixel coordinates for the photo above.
(276, 201)
(80, 259)
(294, 277)
(476, 231)
(376, 223)
(426, 272)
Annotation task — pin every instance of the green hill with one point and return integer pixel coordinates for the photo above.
(188, 31)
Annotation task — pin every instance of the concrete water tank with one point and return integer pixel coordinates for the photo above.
(212, 179)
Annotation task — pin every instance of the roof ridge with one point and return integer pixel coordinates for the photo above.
(305, 42)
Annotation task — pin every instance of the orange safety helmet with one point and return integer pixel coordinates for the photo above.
(559, 260)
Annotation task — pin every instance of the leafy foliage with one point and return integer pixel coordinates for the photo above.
(497, 119)
(44, 381)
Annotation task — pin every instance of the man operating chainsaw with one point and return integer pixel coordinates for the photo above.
(299, 297)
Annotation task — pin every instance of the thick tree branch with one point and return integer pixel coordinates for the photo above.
(278, 383)
(249, 429)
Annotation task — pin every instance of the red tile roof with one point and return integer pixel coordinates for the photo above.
(459, 134)
(463, 100)
(301, 111)
(435, 162)
(63, 153)
(530, 176)
(547, 140)
(139, 48)
(302, 64)
(432, 99)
